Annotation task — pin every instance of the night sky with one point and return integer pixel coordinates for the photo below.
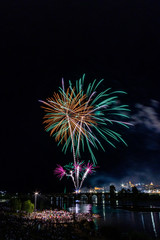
(45, 40)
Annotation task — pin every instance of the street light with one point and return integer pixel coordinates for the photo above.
(35, 200)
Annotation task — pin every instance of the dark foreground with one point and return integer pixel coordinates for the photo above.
(18, 227)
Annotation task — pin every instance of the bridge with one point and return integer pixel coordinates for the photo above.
(83, 197)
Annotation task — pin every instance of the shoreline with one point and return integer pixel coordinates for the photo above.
(139, 208)
(27, 227)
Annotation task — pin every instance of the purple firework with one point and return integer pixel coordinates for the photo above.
(59, 171)
(89, 168)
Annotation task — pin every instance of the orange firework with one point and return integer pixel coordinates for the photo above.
(66, 114)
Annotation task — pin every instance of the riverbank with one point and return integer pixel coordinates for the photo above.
(47, 225)
(140, 208)
(63, 225)
(14, 227)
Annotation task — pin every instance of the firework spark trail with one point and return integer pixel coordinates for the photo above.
(77, 168)
(73, 149)
(89, 100)
(73, 180)
(89, 170)
(80, 131)
(121, 122)
(77, 177)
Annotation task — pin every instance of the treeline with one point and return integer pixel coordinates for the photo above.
(17, 204)
(134, 193)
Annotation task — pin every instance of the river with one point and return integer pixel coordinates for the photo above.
(126, 220)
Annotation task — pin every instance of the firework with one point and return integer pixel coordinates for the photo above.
(82, 117)
(78, 117)
(73, 171)
(59, 171)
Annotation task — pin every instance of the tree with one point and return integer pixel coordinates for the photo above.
(135, 190)
(112, 191)
(28, 206)
(122, 192)
(16, 204)
(41, 204)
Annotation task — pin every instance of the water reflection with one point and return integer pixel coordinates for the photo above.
(94, 199)
(153, 224)
(147, 222)
(104, 210)
(80, 208)
(143, 221)
(84, 198)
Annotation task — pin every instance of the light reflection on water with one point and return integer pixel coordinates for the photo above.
(80, 208)
(147, 222)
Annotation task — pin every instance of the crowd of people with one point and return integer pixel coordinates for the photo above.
(61, 216)
(45, 225)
